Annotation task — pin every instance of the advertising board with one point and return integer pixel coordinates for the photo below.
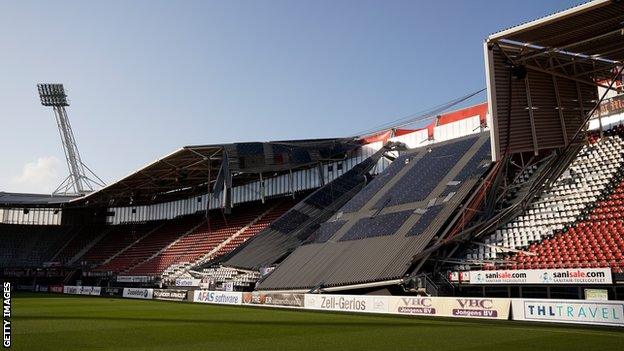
(111, 292)
(71, 289)
(138, 293)
(464, 307)
(56, 289)
(569, 311)
(90, 290)
(169, 294)
(347, 303)
(543, 276)
(187, 282)
(218, 297)
(274, 299)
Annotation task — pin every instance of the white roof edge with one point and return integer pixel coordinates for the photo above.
(549, 18)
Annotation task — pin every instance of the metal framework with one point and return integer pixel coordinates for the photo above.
(81, 179)
(543, 76)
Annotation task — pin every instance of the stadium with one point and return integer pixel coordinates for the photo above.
(494, 226)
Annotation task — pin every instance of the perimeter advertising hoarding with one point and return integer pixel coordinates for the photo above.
(169, 294)
(274, 299)
(70, 289)
(90, 290)
(464, 307)
(218, 297)
(133, 279)
(111, 292)
(569, 311)
(56, 289)
(136, 293)
(347, 303)
(543, 276)
(596, 294)
(187, 282)
(81, 290)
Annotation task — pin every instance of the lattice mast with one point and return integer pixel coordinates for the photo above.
(78, 181)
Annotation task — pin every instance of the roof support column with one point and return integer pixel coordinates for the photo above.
(319, 168)
(579, 96)
(262, 192)
(531, 117)
(559, 108)
(290, 182)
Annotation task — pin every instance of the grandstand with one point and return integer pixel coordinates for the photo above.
(491, 200)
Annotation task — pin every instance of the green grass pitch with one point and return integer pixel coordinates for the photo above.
(56, 322)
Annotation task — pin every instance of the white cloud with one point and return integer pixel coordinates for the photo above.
(40, 176)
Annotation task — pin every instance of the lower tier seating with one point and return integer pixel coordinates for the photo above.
(595, 241)
(83, 236)
(117, 238)
(224, 233)
(151, 244)
(31, 245)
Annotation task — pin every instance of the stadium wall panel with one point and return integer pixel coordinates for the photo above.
(31, 216)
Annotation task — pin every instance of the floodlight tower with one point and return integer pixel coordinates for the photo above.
(77, 182)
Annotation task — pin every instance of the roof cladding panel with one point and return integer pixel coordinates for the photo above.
(430, 168)
(359, 251)
(369, 227)
(554, 65)
(376, 184)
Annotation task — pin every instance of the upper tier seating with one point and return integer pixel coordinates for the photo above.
(578, 222)
(561, 205)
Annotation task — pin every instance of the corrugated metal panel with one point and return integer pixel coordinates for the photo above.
(31, 216)
(413, 140)
(464, 127)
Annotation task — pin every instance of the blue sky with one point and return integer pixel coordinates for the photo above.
(146, 77)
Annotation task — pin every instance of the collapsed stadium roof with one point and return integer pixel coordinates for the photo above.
(375, 235)
(542, 75)
(189, 170)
